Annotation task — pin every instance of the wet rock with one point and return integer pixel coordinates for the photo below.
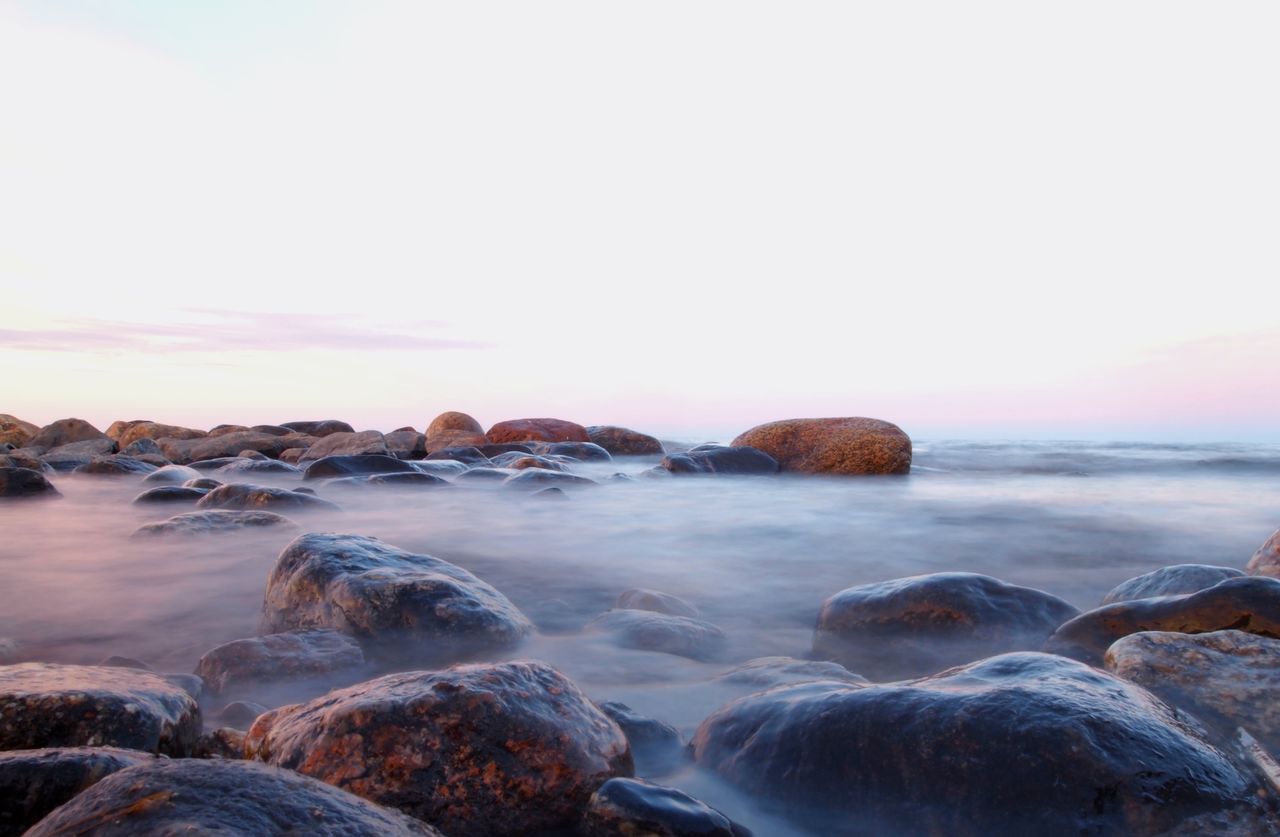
(552, 493)
(453, 439)
(649, 631)
(65, 431)
(520, 461)
(216, 796)
(441, 467)
(115, 466)
(534, 478)
(241, 714)
(1022, 743)
(488, 450)
(142, 447)
(244, 497)
(116, 661)
(360, 465)
(1266, 561)
(14, 431)
(25, 482)
(250, 454)
(620, 441)
(914, 626)
(293, 655)
(34, 782)
(656, 747)
(415, 480)
(212, 464)
(221, 743)
(213, 522)
(224, 429)
(272, 429)
(293, 455)
(188, 683)
(207, 483)
(632, 807)
(152, 431)
(349, 444)
(1176, 580)
(319, 429)
(1249, 604)
(258, 466)
(482, 475)
(767, 672)
(717, 459)
(23, 459)
(229, 445)
(69, 457)
(581, 451)
(453, 421)
(47, 705)
(494, 749)
(406, 444)
(640, 598)
(537, 430)
(382, 594)
(833, 445)
(176, 474)
(466, 455)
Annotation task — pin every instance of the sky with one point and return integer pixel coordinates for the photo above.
(984, 219)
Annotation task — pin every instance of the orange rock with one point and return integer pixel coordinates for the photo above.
(537, 430)
(833, 445)
(451, 421)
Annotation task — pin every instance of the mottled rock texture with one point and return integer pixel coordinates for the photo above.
(1266, 561)
(14, 431)
(833, 445)
(115, 466)
(453, 421)
(211, 522)
(285, 656)
(537, 430)
(319, 429)
(1176, 580)
(349, 444)
(25, 482)
(154, 430)
(34, 782)
(622, 441)
(632, 807)
(648, 631)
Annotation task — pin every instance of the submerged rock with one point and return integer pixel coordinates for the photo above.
(25, 482)
(1266, 561)
(833, 445)
(1247, 604)
(285, 656)
(176, 474)
(648, 631)
(918, 625)
(230, 445)
(581, 451)
(441, 467)
(537, 430)
(717, 459)
(415, 480)
(258, 466)
(34, 782)
(115, 466)
(632, 807)
(213, 796)
(1021, 743)
(354, 466)
(466, 455)
(207, 483)
(483, 475)
(48, 705)
(767, 672)
(244, 497)
(349, 444)
(1176, 580)
(621, 441)
(319, 429)
(240, 714)
(210, 522)
(640, 598)
(494, 749)
(535, 478)
(175, 494)
(656, 747)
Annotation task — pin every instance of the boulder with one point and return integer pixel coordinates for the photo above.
(447, 439)
(212, 522)
(414, 480)
(65, 431)
(483, 475)
(176, 474)
(520, 461)
(241, 714)
(453, 422)
(406, 444)
(216, 796)
(767, 672)
(153, 431)
(319, 429)
(258, 466)
(184, 451)
(1022, 743)
(224, 429)
(142, 447)
(175, 494)
(648, 631)
(71, 456)
(493, 749)
(532, 479)
(23, 459)
(619, 441)
(349, 444)
(537, 430)
(914, 626)
(718, 459)
(272, 430)
(293, 655)
(632, 807)
(221, 743)
(640, 598)
(48, 705)
(581, 451)
(1176, 580)
(245, 497)
(358, 465)
(207, 483)
(833, 445)
(1250, 604)
(1266, 561)
(656, 747)
(118, 427)
(25, 482)
(441, 467)
(381, 594)
(465, 455)
(14, 431)
(34, 782)
(115, 466)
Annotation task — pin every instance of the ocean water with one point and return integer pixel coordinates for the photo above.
(756, 555)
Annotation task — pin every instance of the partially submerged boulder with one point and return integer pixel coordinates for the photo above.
(640, 598)
(718, 459)
(655, 746)
(445, 439)
(406, 444)
(292, 655)
(581, 451)
(213, 522)
(537, 430)
(25, 482)
(1176, 580)
(244, 465)
(176, 494)
(245, 497)
(833, 445)
(176, 474)
(349, 444)
(621, 441)
(648, 631)
(633, 807)
(767, 672)
(34, 782)
(532, 479)
(115, 466)
(155, 430)
(358, 465)
(1266, 561)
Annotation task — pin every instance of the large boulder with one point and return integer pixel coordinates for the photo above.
(718, 459)
(217, 796)
(293, 655)
(64, 432)
(447, 439)
(213, 522)
(176, 494)
(537, 430)
(115, 466)
(493, 749)
(34, 782)
(246, 497)
(833, 445)
(25, 482)
(1176, 580)
(1248, 604)
(406, 444)
(381, 594)
(453, 422)
(620, 441)
(633, 807)
(349, 444)
(319, 429)
(646, 630)
(359, 465)
(14, 431)
(1021, 743)
(185, 451)
(1266, 561)
(47, 705)
(918, 625)
(154, 431)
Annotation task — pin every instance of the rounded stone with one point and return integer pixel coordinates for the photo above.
(453, 421)
(213, 522)
(292, 655)
(537, 430)
(648, 631)
(25, 482)
(1176, 580)
(34, 782)
(852, 445)
(621, 441)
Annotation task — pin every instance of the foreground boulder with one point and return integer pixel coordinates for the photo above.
(25, 482)
(631, 807)
(64, 432)
(384, 595)
(1021, 743)
(537, 430)
(34, 782)
(496, 749)
(245, 497)
(620, 441)
(918, 625)
(198, 796)
(1266, 561)
(358, 465)
(645, 630)
(1248, 604)
(1176, 580)
(212, 522)
(294, 655)
(833, 445)
(718, 459)
(48, 705)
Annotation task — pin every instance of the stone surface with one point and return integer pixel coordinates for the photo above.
(34, 782)
(493, 749)
(1022, 743)
(71, 456)
(245, 497)
(767, 672)
(64, 432)
(909, 627)
(532, 479)
(115, 466)
(718, 459)
(349, 444)
(632, 807)
(14, 431)
(483, 474)
(1266, 561)
(640, 598)
(833, 445)
(224, 429)
(381, 594)
(48, 705)
(1249, 604)
(212, 522)
(521, 461)
(142, 447)
(319, 429)
(406, 444)
(621, 441)
(221, 743)
(257, 466)
(656, 747)
(25, 482)
(207, 483)
(466, 455)
(446, 439)
(154, 430)
(291, 655)
(176, 474)
(441, 467)
(453, 422)
(537, 430)
(214, 796)
(648, 631)
(1176, 580)
(581, 451)
(349, 466)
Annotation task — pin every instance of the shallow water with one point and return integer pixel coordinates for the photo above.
(756, 555)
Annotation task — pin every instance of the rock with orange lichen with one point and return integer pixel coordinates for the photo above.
(833, 445)
(492, 749)
(537, 430)
(451, 421)
(1266, 561)
(34, 782)
(216, 796)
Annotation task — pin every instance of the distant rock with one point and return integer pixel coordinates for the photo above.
(656, 747)
(154, 430)
(717, 459)
(184, 451)
(293, 655)
(520, 461)
(1176, 580)
(245, 497)
(446, 439)
(349, 444)
(648, 631)
(175, 494)
(142, 447)
(406, 444)
(767, 672)
(532, 479)
(581, 451)
(14, 431)
(176, 474)
(833, 445)
(451, 422)
(643, 599)
(359, 465)
(1266, 561)
(631, 807)
(224, 429)
(65, 431)
(25, 482)
(319, 429)
(272, 430)
(258, 466)
(441, 467)
(115, 466)
(537, 430)
(34, 782)
(213, 522)
(620, 441)
(68, 457)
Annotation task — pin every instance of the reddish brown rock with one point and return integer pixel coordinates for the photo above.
(494, 749)
(349, 444)
(621, 441)
(1266, 561)
(319, 429)
(64, 432)
(1176, 580)
(286, 656)
(154, 430)
(446, 439)
(14, 431)
(453, 421)
(537, 430)
(833, 445)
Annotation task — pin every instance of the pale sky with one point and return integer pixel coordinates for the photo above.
(973, 219)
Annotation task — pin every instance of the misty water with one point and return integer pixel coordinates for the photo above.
(756, 555)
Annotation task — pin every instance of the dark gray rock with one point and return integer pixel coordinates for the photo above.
(632, 807)
(656, 747)
(648, 631)
(245, 497)
(483, 475)
(767, 672)
(717, 459)
(293, 655)
(115, 466)
(213, 522)
(142, 447)
(241, 714)
(349, 444)
(1176, 580)
(25, 482)
(354, 466)
(468, 456)
(620, 441)
(175, 494)
(319, 429)
(34, 782)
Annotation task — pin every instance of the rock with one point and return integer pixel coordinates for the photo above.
(25, 482)
(272, 429)
(293, 455)
(649, 631)
(415, 480)
(488, 450)
(293, 655)
(216, 796)
(176, 474)
(118, 427)
(23, 459)
(717, 459)
(65, 431)
(468, 456)
(453, 439)
(1176, 580)
(258, 466)
(250, 454)
(47, 705)
(14, 431)
(359, 465)
(224, 429)
(1022, 743)
(493, 749)
(184, 451)
(142, 447)
(914, 626)
(482, 474)
(767, 672)
(620, 441)
(406, 444)
(656, 747)
(71, 456)
(241, 714)
(207, 483)
(115, 466)
(34, 782)
(521, 461)
(1266, 561)
(385, 595)
(349, 444)
(152, 430)
(552, 493)
(631, 807)
(211, 522)
(212, 464)
(581, 451)
(319, 429)
(221, 743)
(1248, 604)
(656, 601)
(189, 683)
(535, 478)
(441, 467)
(453, 422)
(244, 497)
(116, 661)
(537, 430)
(833, 445)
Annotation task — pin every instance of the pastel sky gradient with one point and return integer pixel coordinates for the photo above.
(984, 219)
